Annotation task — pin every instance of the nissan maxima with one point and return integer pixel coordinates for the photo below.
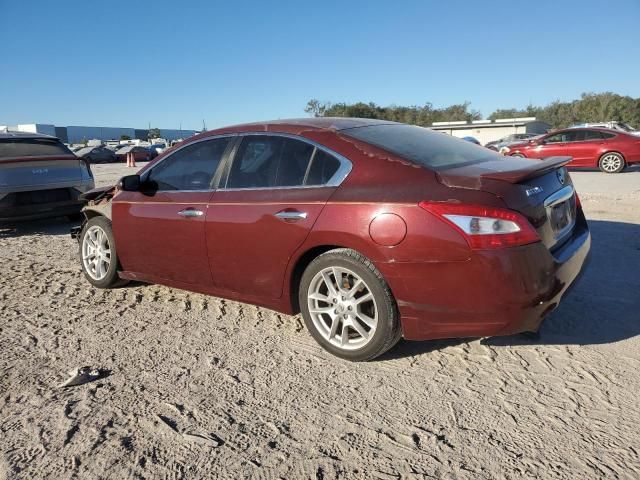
(372, 230)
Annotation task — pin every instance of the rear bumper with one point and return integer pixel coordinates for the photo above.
(38, 211)
(492, 293)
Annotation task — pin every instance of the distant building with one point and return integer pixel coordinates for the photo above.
(79, 134)
(489, 130)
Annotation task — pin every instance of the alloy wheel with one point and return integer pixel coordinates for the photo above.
(342, 307)
(96, 252)
(611, 163)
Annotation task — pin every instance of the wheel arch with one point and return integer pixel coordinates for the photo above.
(607, 152)
(298, 268)
(103, 210)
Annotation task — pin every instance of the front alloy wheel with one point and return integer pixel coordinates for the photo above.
(98, 254)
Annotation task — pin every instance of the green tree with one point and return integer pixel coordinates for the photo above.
(590, 107)
(125, 137)
(154, 133)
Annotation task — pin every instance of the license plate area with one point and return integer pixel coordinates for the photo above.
(561, 212)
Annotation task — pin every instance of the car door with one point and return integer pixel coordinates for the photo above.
(159, 231)
(551, 146)
(275, 189)
(584, 147)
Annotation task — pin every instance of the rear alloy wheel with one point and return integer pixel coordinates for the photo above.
(611, 163)
(348, 307)
(98, 254)
(519, 155)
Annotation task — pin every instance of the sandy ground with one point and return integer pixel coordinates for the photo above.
(202, 387)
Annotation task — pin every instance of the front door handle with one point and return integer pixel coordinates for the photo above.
(291, 215)
(190, 212)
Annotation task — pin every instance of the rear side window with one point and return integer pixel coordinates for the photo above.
(425, 147)
(323, 167)
(270, 161)
(592, 135)
(31, 147)
(190, 168)
(607, 135)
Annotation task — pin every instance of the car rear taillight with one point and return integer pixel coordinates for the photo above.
(484, 227)
(87, 165)
(578, 204)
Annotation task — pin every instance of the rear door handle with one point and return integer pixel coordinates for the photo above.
(291, 215)
(190, 212)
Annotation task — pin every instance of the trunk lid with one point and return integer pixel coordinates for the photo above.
(541, 190)
(36, 173)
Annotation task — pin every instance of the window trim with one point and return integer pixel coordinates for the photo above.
(217, 175)
(335, 181)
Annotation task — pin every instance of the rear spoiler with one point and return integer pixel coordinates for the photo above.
(530, 171)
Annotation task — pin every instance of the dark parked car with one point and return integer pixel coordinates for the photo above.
(40, 177)
(141, 154)
(509, 139)
(609, 150)
(98, 154)
(373, 230)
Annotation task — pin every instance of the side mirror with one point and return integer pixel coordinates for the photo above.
(130, 183)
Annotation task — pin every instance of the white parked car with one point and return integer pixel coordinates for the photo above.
(620, 126)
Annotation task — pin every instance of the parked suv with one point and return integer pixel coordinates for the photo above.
(40, 177)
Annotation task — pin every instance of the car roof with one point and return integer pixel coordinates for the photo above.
(298, 125)
(13, 134)
(599, 129)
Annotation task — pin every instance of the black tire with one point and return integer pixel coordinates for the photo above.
(111, 279)
(387, 331)
(518, 155)
(611, 162)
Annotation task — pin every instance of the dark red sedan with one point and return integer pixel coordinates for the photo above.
(609, 150)
(372, 230)
(141, 154)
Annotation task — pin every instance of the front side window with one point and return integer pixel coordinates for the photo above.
(190, 168)
(270, 161)
(558, 138)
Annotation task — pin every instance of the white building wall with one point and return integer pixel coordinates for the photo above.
(43, 128)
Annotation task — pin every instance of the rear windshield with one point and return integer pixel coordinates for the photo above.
(425, 147)
(31, 147)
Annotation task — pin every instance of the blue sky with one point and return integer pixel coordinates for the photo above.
(131, 63)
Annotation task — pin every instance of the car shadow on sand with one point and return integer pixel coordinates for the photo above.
(602, 307)
(49, 226)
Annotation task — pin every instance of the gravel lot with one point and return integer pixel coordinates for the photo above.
(202, 387)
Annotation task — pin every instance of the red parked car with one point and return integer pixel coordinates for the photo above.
(608, 150)
(141, 154)
(372, 230)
